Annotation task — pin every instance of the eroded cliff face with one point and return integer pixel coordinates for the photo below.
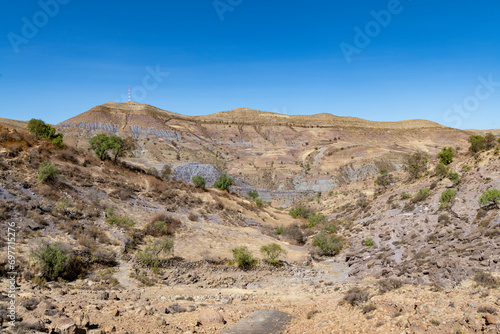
(284, 154)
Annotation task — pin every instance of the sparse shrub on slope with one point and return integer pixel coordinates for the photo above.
(243, 257)
(259, 202)
(490, 198)
(150, 255)
(441, 170)
(161, 225)
(356, 296)
(316, 218)
(47, 172)
(199, 181)
(389, 284)
(223, 182)
(299, 212)
(421, 195)
(454, 177)
(486, 280)
(328, 245)
(416, 164)
(253, 194)
(54, 261)
(446, 156)
(447, 196)
(272, 252)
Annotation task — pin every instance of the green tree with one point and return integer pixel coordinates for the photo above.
(47, 131)
(490, 197)
(446, 156)
(47, 172)
(272, 252)
(105, 146)
(199, 181)
(223, 182)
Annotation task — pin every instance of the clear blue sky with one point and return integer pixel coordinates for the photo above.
(282, 56)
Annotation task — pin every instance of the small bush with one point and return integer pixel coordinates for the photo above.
(444, 219)
(199, 181)
(369, 308)
(447, 196)
(331, 227)
(162, 224)
(356, 296)
(441, 170)
(47, 172)
(279, 230)
(421, 195)
(316, 218)
(253, 194)
(223, 182)
(328, 245)
(166, 171)
(243, 257)
(369, 242)
(389, 284)
(486, 280)
(150, 255)
(405, 195)
(54, 261)
(272, 252)
(121, 221)
(490, 197)
(299, 212)
(259, 202)
(446, 156)
(455, 177)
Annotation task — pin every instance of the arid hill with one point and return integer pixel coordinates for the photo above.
(286, 157)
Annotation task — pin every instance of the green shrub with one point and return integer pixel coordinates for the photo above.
(328, 245)
(490, 197)
(199, 181)
(441, 170)
(104, 146)
(150, 255)
(455, 177)
(316, 218)
(480, 143)
(279, 230)
(223, 182)
(383, 171)
(331, 227)
(166, 170)
(447, 196)
(299, 212)
(421, 195)
(253, 194)
(243, 257)
(405, 195)
(416, 164)
(446, 156)
(122, 221)
(259, 202)
(54, 261)
(369, 242)
(43, 130)
(272, 252)
(47, 172)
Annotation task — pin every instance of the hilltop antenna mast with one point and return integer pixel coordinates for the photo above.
(128, 93)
